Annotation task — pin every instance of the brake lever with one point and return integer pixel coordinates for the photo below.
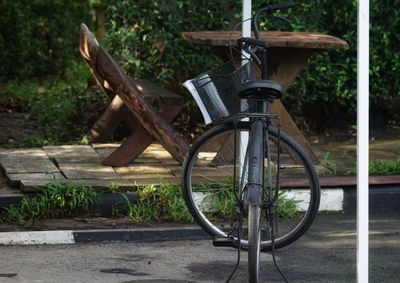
(251, 51)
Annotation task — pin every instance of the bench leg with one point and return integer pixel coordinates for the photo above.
(114, 114)
(130, 148)
(138, 141)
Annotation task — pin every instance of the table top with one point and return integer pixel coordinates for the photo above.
(273, 38)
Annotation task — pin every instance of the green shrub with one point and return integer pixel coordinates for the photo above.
(329, 80)
(64, 109)
(144, 36)
(38, 37)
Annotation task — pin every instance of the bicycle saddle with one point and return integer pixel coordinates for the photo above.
(260, 89)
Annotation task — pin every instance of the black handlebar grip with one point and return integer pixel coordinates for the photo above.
(269, 9)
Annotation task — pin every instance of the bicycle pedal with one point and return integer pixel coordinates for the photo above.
(225, 242)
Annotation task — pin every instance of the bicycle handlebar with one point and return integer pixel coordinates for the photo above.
(269, 9)
(253, 45)
(251, 41)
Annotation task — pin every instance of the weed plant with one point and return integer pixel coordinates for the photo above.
(162, 202)
(56, 199)
(287, 207)
(380, 167)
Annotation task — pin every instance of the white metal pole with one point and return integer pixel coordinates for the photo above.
(246, 32)
(362, 140)
(246, 15)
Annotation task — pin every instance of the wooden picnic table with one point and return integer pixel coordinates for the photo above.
(287, 55)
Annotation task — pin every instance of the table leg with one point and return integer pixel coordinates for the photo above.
(286, 64)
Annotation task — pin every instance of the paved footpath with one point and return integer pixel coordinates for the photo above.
(327, 253)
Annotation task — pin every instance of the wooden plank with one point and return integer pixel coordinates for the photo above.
(88, 48)
(154, 146)
(273, 38)
(30, 186)
(87, 171)
(36, 153)
(143, 171)
(156, 180)
(169, 162)
(105, 150)
(69, 151)
(72, 154)
(15, 178)
(28, 165)
(77, 159)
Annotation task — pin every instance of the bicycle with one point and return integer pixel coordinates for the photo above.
(245, 182)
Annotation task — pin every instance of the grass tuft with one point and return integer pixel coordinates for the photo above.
(380, 167)
(56, 199)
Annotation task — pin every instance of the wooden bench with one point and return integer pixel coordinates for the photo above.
(145, 108)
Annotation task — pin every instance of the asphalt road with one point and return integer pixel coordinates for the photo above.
(327, 253)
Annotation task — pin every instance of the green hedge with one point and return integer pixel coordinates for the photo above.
(327, 87)
(38, 37)
(145, 37)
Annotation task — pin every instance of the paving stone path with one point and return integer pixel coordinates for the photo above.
(29, 168)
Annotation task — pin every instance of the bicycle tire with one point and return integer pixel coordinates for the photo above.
(254, 213)
(200, 173)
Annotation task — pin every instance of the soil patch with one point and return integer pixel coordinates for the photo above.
(15, 127)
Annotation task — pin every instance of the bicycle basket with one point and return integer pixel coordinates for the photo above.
(215, 91)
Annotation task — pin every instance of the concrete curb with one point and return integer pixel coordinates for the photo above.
(61, 237)
(383, 199)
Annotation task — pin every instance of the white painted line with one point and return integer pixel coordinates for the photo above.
(37, 238)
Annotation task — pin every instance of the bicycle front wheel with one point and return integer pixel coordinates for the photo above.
(216, 162)
(254, 215)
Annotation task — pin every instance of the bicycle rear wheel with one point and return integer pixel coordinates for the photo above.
(213, 165)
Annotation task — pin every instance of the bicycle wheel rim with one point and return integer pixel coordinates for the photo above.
(286, 234)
